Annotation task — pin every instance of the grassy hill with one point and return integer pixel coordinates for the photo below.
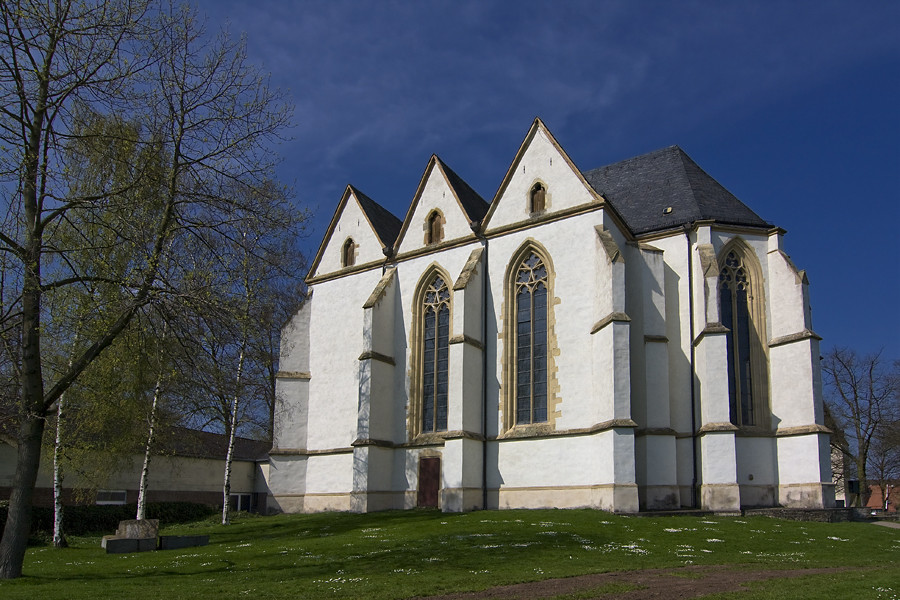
(405, 554)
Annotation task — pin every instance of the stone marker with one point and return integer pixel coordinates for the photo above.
(138, 529)
(132, 536)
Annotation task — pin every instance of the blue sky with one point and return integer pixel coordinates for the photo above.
(792, 106)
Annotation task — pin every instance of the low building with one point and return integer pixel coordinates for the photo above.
(189, 467)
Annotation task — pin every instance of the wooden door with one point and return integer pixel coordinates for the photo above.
(429, 481)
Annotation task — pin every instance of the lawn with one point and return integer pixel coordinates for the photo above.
(404, 554)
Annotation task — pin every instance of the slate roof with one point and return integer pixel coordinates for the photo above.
(386, 225)
(474, 205)
(641, 188)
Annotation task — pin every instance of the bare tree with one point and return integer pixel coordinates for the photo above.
(203, 120)
(864, 401)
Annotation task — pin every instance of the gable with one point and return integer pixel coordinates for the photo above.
(362, 220)
(443, 191)
(540, 161)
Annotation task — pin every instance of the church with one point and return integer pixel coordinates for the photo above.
(627, 338)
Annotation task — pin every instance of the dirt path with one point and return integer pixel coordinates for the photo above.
(684, 582)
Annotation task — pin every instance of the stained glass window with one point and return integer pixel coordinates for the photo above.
(435, 356)
(531, 341)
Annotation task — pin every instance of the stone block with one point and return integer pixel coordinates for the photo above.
(119, 545)
(138, 529)
(174, 542)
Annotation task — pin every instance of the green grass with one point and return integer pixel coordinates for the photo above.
(404, 554)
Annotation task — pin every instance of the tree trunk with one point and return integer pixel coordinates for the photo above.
(59, 539)
(145, 470)
(18, 521)
(226, 489)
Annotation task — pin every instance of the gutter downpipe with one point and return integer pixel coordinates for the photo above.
(687, 235)
(476, 228)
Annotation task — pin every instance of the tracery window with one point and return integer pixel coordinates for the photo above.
(435, 351)
(531, 340)
(538, 198)
(740, 302)
(348, 253)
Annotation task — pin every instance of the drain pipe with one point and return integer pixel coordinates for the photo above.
(687, 235)
(476, 228)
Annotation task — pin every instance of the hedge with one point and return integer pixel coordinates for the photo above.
(93, 519)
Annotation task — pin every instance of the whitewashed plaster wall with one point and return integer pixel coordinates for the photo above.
(336, 336)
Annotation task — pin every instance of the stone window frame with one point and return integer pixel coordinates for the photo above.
(434, 227)
(510, 428)
(348, 253)
(759, 350)
(417, 347)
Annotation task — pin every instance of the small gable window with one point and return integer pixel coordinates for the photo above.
(348, 253)
(538, 200)
(435, 228)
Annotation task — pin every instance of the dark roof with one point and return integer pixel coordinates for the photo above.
(472, 203)
(205, 444)
(641, 188)
(386, 225)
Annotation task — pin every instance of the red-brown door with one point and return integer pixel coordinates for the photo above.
(429, 481)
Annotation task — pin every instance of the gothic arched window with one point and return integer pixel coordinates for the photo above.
(531, 352)
(348, 253)
(741, 311)
(435, 355)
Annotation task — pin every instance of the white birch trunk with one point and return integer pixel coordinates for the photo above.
(145, 470)
(59, 540)
(226, 489)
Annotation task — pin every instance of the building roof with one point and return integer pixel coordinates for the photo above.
(204, 444)
(473, 204)
(385, 224)
(640, 189)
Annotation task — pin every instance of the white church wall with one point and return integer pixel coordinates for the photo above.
(329, 481)
(336, 334)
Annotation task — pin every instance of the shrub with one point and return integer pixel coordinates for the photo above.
(93, 519)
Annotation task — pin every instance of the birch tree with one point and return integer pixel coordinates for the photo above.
(203, 119)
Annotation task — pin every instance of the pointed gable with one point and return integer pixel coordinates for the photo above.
(441, 191)
(665, 189)
(542, 162)
(358, 219)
